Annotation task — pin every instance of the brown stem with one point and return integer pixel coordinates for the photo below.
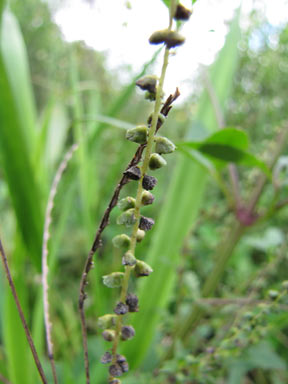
(21, 314)
(103, 224)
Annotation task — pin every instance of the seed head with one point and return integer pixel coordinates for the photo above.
(126, 203)
(120, 359)
(106, 358)
(127, 218)
(147, 83)
(156, 161)
(132, 302)
(138, 134)
(109, 334)
(115, 370)
(140, 235)
(146, 223)
(113, 280)
(182, 13)
(106, 321)
(149, 182)
(147, 198)
(170, 38)
(142, 269)
(121, 308)
(124, 366)
(129, 259)
(121, 241)
(164, 145)
(133, 173)
(127, 332)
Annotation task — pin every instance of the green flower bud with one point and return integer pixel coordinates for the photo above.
(126, 203)
(182, 13)
(129, 259)
(273, 294)
(142, 269)
(140, 235)
(121, 241)
(138, 134)
(170, 38)
(150, 96)
(147, 198)
(156, 161)
(109, 334)
(163, 145)
(106, 321)
(147, 83)
(113, 280)
(127, 218)
(133, 173)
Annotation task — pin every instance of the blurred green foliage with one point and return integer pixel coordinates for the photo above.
(73, 101)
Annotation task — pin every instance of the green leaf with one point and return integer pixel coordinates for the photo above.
(229, 146)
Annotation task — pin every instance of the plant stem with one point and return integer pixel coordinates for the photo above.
(21, 314)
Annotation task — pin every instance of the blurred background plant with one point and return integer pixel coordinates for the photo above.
(54, 93)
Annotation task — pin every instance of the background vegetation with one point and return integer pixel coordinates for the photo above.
(241, 333)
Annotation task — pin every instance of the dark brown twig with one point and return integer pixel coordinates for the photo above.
(103, 224)
(21, 314)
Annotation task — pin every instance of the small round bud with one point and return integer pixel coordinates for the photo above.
(127, 218)
(182, 13)
(149, 182)
(147, 198)
(163, 145)
(129, 259)
(140, 235)
(106, 321)
(109, 334)
(147, 83)
(120, 359)
(133, 173)
(124, 366)
(142, 269)
(121, 241)
(156, 161)
(106, 358)
(121, 308)
(127, 332)
(160, 122)
(150, 96)
(126, 203)
(132, 302)
(113, 280)
(170, 38)
(146, 223)
(138, 134)
(273, 294)
(115, 370)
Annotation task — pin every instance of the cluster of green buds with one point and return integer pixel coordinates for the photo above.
(112, 325)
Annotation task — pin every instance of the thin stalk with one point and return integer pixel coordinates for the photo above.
(21, 314)
(144, 169)
(45, 268)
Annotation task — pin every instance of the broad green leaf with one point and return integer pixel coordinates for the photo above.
(228, 145)
(183, 200)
